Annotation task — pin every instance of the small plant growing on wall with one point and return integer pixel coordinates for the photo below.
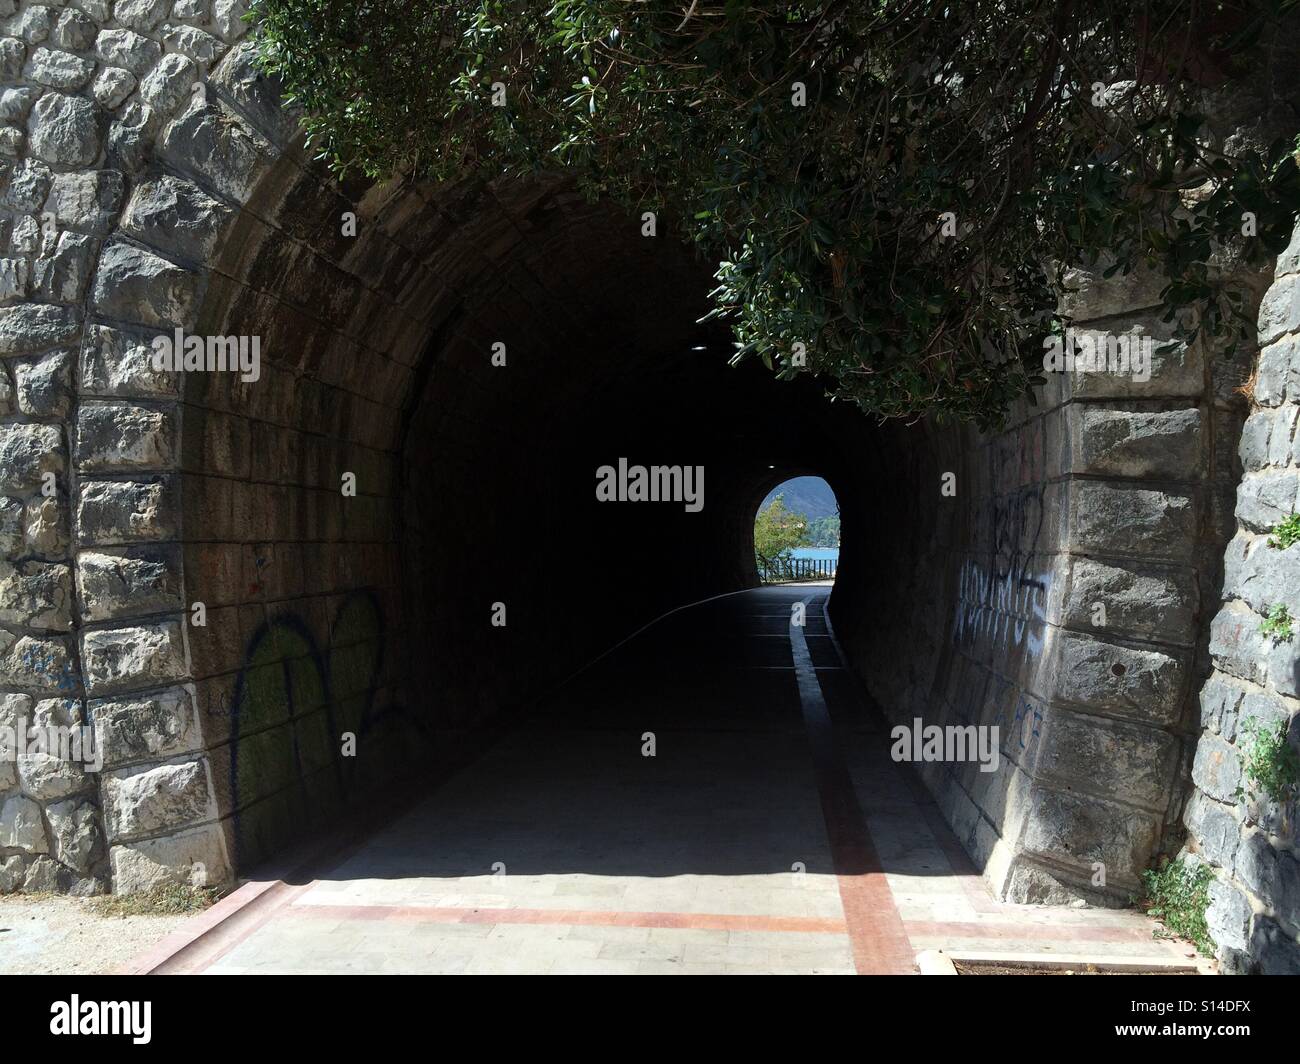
(1177, 895)
(1270, 764)
(1286, 533)
(1247, 387)
(1277, 623)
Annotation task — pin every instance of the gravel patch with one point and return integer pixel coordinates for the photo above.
(48, 934)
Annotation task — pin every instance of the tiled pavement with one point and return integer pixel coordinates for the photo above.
(740, 846)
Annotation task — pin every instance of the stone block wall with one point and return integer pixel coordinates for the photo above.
(1070, 595)
(1247, 837)
(135, 135)
(1059, 596)
(93, 603)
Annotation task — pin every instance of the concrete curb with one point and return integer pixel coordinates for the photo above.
(935, 962)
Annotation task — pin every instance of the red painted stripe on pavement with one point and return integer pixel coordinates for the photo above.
(876, 932)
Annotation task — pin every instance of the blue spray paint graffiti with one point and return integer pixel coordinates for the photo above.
(293, 703)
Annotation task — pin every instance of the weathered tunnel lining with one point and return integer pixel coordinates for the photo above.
(474, 480)
(200, 213)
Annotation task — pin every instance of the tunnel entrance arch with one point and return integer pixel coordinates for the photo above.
(489, 352)
(311, 504)
(378, 308)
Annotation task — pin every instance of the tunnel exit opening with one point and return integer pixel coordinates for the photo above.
(797, 532)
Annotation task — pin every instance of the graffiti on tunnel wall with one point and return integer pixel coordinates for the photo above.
(293, 703)
(1002, 612)
(1005, 601)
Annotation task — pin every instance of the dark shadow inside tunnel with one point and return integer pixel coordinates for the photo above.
(683, 753)
(485, 354)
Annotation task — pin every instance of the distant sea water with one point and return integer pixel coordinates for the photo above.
(817, 552)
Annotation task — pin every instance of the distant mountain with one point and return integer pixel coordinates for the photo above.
(810, 496)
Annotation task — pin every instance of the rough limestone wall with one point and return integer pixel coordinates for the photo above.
(1247, 838)
(92, 600)
(1109, 491)
(1109, 494)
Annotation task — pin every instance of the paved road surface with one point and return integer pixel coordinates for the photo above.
(769, 832)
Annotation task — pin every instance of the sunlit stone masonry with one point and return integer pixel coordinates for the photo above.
(101, 243)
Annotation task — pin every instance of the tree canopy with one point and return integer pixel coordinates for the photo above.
(889, 188)
(777, 531)
(824, 532)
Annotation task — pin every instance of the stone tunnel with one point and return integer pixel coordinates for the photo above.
(374, 537)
